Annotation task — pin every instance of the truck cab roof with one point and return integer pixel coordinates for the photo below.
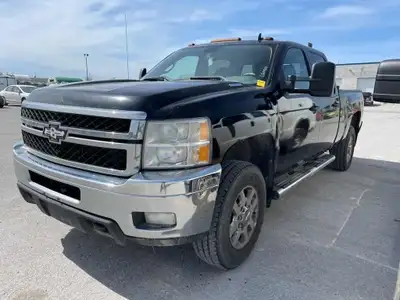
(275, 43)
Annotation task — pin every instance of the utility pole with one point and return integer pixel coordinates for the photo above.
(86, 63)
(126, 46)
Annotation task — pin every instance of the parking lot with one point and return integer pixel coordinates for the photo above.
(335, 236)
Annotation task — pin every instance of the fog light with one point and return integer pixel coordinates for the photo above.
(160, 218)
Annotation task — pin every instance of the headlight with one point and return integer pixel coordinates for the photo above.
(177, 143)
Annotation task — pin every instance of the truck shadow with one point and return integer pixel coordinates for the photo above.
(176, 272)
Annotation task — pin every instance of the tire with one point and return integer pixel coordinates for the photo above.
(217, 248)
(344, 151)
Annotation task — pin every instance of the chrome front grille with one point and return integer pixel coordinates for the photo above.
(98, 140)
(96, 156)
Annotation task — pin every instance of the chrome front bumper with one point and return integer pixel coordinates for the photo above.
(189, 194)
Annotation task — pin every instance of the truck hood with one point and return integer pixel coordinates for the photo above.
(147, 96)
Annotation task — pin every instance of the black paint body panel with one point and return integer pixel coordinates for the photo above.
(245, 119)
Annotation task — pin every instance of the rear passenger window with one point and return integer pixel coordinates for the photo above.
(295, 64)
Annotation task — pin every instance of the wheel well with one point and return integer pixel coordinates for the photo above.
(256, 150)
(355, 121)
(304, 123)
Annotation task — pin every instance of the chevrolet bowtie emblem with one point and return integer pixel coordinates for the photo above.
(54, 132)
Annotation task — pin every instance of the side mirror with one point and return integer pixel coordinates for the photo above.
(142, 72)
(322, 79)
(288, 84)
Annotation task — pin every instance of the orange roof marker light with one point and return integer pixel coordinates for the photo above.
(261, 38)
(238, 39)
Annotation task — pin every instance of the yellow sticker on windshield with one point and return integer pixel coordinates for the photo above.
(261, 83)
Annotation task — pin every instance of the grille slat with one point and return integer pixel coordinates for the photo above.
(78, 121)
(96, 156)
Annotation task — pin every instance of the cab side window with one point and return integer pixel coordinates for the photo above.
(314, 58)
(295, 64)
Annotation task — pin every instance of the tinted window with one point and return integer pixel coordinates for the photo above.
(295, 64)
(15, 89)
(240, 62)
(9, 89)
(27, 89)
(315, 58)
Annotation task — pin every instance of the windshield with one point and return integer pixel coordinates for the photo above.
(27, 89)
(243, 63)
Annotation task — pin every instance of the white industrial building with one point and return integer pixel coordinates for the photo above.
(360, 76)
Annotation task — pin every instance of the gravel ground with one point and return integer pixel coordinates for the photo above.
(336, 236)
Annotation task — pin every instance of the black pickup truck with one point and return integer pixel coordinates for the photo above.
(192, 152)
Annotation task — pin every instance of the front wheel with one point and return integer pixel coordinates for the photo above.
(238, 216)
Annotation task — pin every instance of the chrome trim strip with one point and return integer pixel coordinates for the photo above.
(97, 143)
(86, 111)
(82, 141)
(31, 130)
(33, 123)
(137, 127)
(135, 132)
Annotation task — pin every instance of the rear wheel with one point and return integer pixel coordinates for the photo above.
(344, 151)
(238, 217)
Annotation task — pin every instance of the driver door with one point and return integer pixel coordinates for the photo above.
(16, 94)
(300, 128)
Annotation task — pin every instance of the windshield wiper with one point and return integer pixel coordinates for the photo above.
(159, 78)
(208, 78)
